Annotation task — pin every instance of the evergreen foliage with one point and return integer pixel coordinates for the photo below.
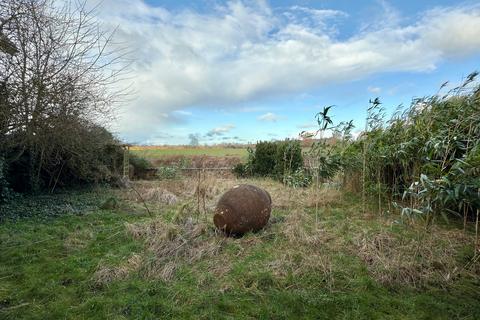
(277, 159)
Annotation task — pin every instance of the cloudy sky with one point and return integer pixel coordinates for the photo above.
(240, 71)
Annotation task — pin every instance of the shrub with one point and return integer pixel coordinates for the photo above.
(274, 159)
(243, 170)
(240, 170)
(139, 164)
(264, 159)
(5, 191)
(48, 137)
(288, 157)
(299, 179)
(168, 172)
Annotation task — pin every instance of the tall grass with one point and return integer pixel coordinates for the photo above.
(424, 160)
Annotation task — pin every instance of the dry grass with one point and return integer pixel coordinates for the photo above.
(152, 192)
(188, 239)
(297, 243)
(307, 248)
(417, 259)
(159, 195)
(299, 228)
(167, 246)
(106, 274)
(211, 187)
(170, 245)
(78, 239)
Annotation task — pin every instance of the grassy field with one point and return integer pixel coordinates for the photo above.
(83, 262)
(159, 152)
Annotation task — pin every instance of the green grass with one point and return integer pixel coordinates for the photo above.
(208, 151)
(47, 269)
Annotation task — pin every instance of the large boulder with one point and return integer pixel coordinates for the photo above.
(243, 208)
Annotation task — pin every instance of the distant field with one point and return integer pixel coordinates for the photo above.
(160, 152)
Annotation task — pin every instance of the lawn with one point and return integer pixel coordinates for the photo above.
(83, 262)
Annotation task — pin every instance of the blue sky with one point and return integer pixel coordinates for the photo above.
(242, 71)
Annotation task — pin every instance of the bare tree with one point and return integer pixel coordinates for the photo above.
(59, 78)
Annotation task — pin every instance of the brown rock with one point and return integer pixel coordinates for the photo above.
(243, 208)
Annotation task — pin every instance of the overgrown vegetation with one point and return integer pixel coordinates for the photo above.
(123, 263)
(55, 95)
(429, 155)
(151, 251)
(424, 160)
(282, 160)
(5, 190)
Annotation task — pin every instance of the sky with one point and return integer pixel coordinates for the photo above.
(211, 71)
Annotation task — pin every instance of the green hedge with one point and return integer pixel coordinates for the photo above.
(264, 159)
(274, 159)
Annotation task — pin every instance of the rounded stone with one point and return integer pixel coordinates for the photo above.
(242, 209)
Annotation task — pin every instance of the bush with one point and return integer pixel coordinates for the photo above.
(243, 170)
(89, 155)
(288, 157)
(168, 172)
(240, 170)
(49, 139)
(299, 179)
(264, 159)
(140, 165)
(5, 191)
(274, 159)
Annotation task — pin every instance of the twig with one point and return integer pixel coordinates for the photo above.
(113, 235)
(477, 247)
(141, 198)
(477, 244)
(17, 306)
(28, 244)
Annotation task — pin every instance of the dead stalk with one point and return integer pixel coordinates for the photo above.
(477, 245)
(141, 198)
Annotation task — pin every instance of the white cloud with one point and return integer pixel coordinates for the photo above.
(316, 20)
(220, 131)
(241, 52)
(307, 125)
(269, 117)
(373, 89)
(183, 112)
(250, 109)
(452, 32)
